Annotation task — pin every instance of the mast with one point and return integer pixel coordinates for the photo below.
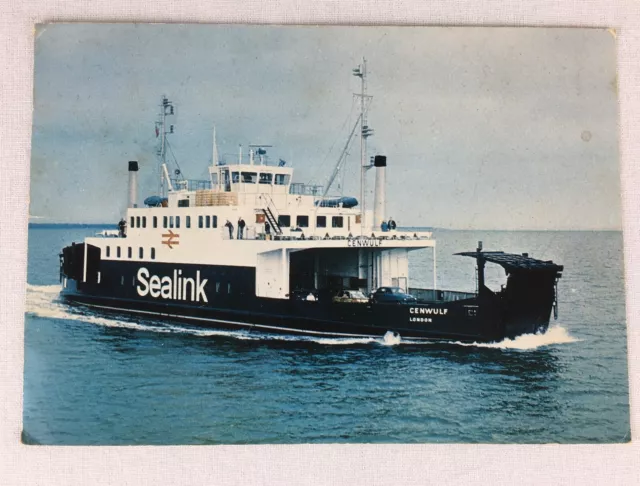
(166, 109)
(214, 156)
(365, 132)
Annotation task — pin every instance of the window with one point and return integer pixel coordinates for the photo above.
(137, 221)
(153, 253)
(188, 221)
(321, 222)
(265, 178)
(118, 254)
(170, 221)
(183, 203)
(155, 221)
(229, 288)
(129, 253)
(108, 252)
(282, 179)
(302, 221)
(284, 220)
(235, 177)
(337, 222)
(140, 253)
(200, 225)
(208, 221)
(214, 221)
(214, 179)
(133, 221)
(177, 221)
(164, 221)
(144, 221)
(249, 177)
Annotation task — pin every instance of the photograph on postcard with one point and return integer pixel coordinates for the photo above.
(320, 234)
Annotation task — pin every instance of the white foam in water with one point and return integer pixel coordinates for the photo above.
(555, 335)
(42, 301)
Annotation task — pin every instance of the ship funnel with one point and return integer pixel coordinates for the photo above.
(379, 202)
(133, 184)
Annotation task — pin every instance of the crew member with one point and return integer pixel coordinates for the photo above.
(230, 226)
(267, 228)
(384, 226)
(391, 224)
(122, 228)
(241, 225)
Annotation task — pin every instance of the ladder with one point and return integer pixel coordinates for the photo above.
(271, 217)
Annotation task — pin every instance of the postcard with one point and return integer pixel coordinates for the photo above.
(316, 234)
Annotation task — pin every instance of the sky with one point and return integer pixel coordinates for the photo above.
(483, 128)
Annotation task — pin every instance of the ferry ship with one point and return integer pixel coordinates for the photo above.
(250, 249)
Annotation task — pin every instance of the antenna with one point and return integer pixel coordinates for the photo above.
(365, 132)
(214, 157)
(166, 109)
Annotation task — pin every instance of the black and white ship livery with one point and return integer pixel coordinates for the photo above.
(302, 263)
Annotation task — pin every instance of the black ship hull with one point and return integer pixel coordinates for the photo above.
(224, 298)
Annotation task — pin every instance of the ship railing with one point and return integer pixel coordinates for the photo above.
(191, 184)
(300, 189)
(431, 295)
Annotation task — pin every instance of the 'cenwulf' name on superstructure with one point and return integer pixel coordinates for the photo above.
(248, 248)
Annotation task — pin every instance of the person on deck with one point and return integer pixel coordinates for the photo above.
(384, 226)
(391, 224)
(241, 225)
(230, 226)
(267, 228)
(122, 228)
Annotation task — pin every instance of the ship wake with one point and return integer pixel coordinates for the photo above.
(42, 301)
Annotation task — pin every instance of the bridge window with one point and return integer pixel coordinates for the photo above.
(337, 222)
(188, 221)
(129, 253)
(170, 221)
(144, 221)
(208, 221)
(133, 222)
(302, 221)
(118, 253)
(284, 220)
(155, 221)
(164, 221)
(138, 221)
(140, 253)
(282, 179)
(200, 225)
(265, 178)
(183, 203)
(177, 221)
(249, 177)
(108, 251)
(214, 221)
(153, 253)
(214, 179)
(321, 222)
(235, 177)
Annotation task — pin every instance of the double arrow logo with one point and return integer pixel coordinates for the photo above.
(172, 239)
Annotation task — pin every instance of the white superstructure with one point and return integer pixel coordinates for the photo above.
(294, 234)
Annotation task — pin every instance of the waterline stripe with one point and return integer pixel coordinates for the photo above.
(245, 324)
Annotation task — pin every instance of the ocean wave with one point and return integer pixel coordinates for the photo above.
(43, 302)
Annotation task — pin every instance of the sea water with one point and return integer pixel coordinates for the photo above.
(95, 379)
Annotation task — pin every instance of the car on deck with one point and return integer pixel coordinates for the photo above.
(390, 295)
(350, 297)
